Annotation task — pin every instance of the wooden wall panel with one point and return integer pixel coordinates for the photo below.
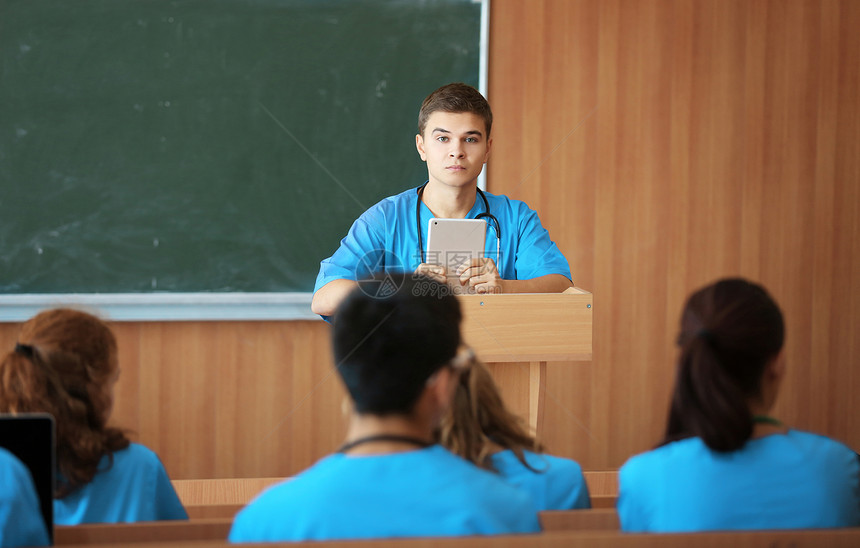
(724, 142)
(227, 399)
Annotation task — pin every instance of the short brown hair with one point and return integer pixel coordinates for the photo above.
(455, 97)
(63, 364)
(373, 336)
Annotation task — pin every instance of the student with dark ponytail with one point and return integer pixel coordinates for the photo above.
(65, 363)
(724, 463)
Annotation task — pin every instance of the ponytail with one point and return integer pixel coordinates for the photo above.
(24, 385)
(477, 422)
(707, 402)
(730, 331)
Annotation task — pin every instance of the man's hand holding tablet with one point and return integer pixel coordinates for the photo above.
(455, 255)
(481, 275)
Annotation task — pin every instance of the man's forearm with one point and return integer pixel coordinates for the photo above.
(329, 296)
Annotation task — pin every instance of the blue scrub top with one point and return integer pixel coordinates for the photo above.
(385, 237)
(554, 483)
(780, 481)
(21, 522)
(423, 493)
(133, 487)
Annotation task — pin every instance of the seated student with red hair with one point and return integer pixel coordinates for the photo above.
(724, 462)
(65, 364)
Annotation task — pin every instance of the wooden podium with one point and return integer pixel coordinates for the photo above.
(535, 328)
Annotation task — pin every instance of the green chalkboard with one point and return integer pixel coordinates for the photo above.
(208, 145)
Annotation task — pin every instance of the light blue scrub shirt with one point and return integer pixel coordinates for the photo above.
(554, 484)
(780, 481)
(134, 488)
(423, 493)
(385, 237)
(21, 522)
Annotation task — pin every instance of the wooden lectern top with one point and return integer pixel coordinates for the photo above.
(529, 326)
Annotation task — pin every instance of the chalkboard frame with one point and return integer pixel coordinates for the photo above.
(203, 306)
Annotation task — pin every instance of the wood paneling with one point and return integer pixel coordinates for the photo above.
(227, 399)
(666, 144)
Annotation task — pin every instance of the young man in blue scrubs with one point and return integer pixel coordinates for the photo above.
(399, 358)
(453, 138)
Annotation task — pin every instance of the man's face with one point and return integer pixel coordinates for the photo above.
(455, 146)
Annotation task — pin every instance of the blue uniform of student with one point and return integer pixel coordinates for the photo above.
(423, 493)
(386, 237)
(780, 481)
(134, 488)
(557, 483)
(21, 522)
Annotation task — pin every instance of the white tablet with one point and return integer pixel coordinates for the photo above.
(452, 242)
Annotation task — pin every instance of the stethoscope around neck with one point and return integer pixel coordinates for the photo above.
(485, 215)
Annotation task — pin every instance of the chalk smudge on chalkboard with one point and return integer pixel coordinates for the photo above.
(380, 88)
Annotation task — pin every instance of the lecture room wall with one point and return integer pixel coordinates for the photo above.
(664, 144)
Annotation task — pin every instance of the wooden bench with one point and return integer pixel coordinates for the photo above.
(210, 511)
(217, 528)
(836, 538)
(194, 492)
(224, 497)
(602, 485)
(596, 519)
(146, 531)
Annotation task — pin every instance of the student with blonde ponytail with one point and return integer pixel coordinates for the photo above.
(479, 428)
(724, 462)
(65, 364)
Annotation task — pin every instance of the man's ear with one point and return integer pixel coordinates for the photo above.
(419, 144)
(489, 147)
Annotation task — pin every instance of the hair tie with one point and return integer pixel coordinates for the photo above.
(705, 334)
(25, 350)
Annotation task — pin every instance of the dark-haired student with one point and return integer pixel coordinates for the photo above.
(66, 364)
(479, 428)
(725, 463)
(21, 521)
(398, 357)
(453, 139)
